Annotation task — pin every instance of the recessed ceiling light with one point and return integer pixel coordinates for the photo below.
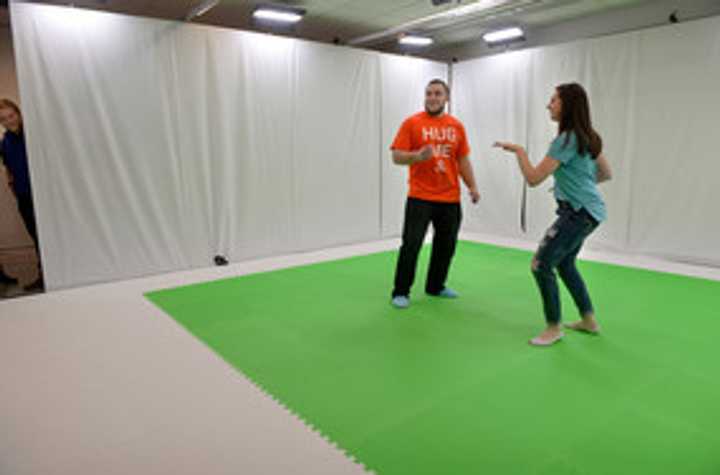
(282, 15)
(503, 36)
(415, 40)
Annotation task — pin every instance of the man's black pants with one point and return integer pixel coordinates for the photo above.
(445, 218)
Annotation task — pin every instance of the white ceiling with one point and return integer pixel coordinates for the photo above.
(346, 20)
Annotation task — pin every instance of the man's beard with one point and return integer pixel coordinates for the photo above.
(435, 113)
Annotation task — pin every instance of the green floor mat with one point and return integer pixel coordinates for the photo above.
(452, 387)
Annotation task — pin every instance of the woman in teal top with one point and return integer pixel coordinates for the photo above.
(576, 161)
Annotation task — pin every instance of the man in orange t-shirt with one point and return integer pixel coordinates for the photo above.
(434, 145)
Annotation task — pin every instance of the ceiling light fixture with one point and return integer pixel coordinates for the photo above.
(415, 40)
(507, 35)
(279, 14)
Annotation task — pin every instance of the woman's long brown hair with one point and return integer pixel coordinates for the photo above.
(575, 118)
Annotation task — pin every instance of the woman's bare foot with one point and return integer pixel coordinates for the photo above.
(549, 336)
(586, 325)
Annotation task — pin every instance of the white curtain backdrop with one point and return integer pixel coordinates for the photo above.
(491, 99)
(155, 145)
(654, 96)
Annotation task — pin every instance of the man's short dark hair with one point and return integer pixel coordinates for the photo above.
(442, 83)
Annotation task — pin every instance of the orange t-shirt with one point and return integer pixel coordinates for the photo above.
(436, 179)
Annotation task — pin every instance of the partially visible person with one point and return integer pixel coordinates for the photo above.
(14, 157)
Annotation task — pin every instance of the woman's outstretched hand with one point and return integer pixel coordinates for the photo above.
(508, 146)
